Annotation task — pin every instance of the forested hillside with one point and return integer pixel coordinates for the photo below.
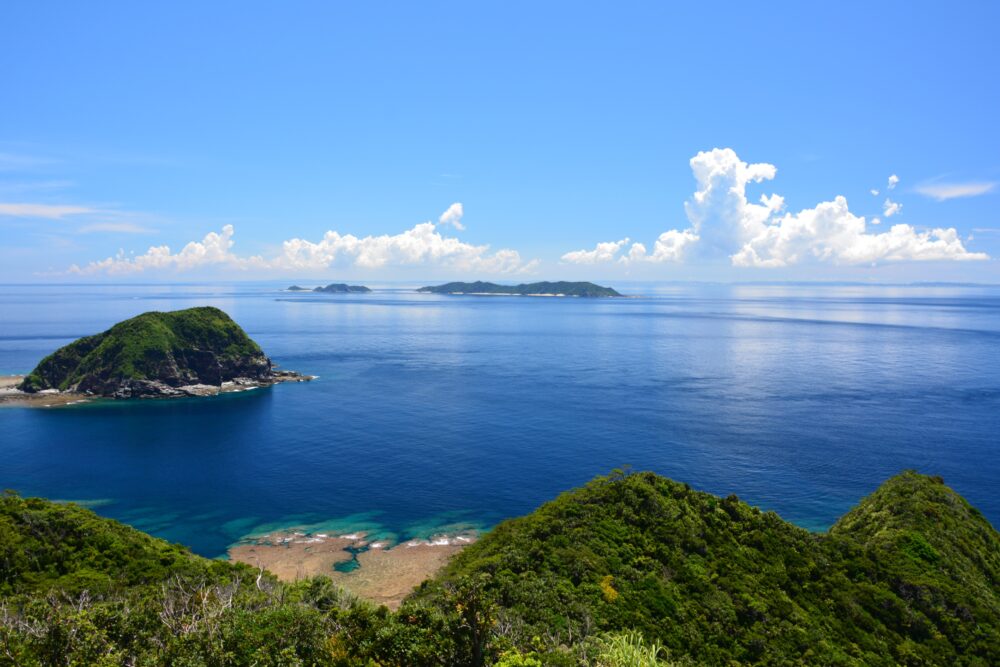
(630, 569)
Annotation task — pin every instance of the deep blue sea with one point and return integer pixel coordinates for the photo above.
(435, 410)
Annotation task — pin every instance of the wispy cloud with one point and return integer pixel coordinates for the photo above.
(21, 162)
(35, 186)
(114, 228)
(945, 191)
(79, 218)
(47, 211)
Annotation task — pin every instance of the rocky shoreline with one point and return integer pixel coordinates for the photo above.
(10, 394)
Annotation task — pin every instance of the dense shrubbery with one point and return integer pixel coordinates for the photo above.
(909, 577)
(629, 570)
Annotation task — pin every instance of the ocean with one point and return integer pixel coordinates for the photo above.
(435, 412)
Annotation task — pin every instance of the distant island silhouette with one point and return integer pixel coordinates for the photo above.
(561, 288)
(332, 288)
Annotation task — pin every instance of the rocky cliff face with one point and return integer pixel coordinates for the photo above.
(157, 354)
(174, 376)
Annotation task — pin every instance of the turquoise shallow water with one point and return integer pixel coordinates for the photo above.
(436, 411)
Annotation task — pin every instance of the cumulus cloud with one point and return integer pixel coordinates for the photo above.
(724, 221)
(48, 211)
(891, 208)
(602, 252)
(453, 217)
(831, 233)
(874, 192)
(945, 191)
(214, 249)
(893, 182)
(670, 246)
(422, 245)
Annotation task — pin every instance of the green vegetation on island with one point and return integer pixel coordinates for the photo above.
(342, 288)
(562, 288)
(154, 354)
(631, 569)
(332, 288)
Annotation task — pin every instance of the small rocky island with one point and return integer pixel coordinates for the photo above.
(561, 288)
(194, 352)
(332, 288)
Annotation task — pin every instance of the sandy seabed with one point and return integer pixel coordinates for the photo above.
(385, 573)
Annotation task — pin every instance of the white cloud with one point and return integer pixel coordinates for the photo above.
(828, 232)
(874, 192)
(602, 252)
(114, 227)
(213, 250)
(724, 221)
(670, 246)
(453, 217)
(945, 191)
(876, 221)
(48, 211)
(719, 210)
(35, 186)
(893, 182)
(831, 233)
(422, 245)
(891, 208)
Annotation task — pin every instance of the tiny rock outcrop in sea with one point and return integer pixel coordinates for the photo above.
(194, 352)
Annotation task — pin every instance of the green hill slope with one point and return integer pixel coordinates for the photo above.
(909, 577)
(47, 546)
(143, 354)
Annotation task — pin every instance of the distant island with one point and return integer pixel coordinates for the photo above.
(631, 565)
(198, 351)
(332, 288)
(561, 288)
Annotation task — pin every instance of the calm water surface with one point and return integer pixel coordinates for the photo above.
(435, 410)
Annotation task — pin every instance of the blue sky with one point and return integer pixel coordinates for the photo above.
(321, 141)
